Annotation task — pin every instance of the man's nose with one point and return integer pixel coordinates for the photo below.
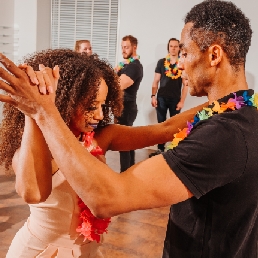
(181, 63)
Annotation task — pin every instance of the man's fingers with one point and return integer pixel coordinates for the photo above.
(8, 99)
(6, 87)
(5, 75)
(10, 66)
(42, 85)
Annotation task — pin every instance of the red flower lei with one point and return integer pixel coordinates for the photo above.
(91, 227)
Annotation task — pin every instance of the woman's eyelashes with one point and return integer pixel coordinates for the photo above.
(95, 107)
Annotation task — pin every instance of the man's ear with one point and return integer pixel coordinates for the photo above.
(215, 54)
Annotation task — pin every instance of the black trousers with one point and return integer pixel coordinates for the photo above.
(165, 104)
(127, 158)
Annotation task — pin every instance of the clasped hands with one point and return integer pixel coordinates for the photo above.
(17, 82)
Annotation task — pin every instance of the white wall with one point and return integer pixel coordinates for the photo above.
(153, 23)
(6, 27)
(33, 18)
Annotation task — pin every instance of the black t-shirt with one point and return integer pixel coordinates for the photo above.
(218, 163)
(168, 88)
(133, 70)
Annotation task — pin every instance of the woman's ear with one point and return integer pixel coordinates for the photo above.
(215, 54)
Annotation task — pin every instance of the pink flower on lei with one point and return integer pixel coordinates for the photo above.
(91, 227)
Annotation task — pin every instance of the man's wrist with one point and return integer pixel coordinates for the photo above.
(153, 95)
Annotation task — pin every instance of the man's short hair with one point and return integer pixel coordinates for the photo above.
(221, 22)
(132, 39)
(171, 39)
(78, 44)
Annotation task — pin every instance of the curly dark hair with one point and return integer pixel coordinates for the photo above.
(77, 88)
(221, 22)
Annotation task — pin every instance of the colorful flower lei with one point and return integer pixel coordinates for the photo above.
(126, 61)
(216, 108)
(91, 227)
(175, 73)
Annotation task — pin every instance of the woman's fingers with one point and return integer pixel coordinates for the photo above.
(42, 85)
(30, 72)
(48, 77)
(56, 75)
(56, 72)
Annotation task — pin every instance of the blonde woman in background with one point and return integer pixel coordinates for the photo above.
(83, 46)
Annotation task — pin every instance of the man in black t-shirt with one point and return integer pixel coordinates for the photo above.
(130, 72)
(167, 85)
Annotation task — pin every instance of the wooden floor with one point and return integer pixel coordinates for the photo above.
(131, 235)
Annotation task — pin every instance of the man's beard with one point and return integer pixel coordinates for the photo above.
(128, 56)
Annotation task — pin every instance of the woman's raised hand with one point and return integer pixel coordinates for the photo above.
(46, 78)
(20, 83)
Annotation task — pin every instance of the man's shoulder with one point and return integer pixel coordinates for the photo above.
(239, 121)
(161, 60)
(136, 64)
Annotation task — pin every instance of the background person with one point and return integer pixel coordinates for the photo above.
(83, 46)
(130, 72)
(167, 84)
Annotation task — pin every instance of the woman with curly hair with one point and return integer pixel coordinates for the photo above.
(88, 95)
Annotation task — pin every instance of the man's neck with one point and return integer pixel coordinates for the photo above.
(224, 85)
(173, 58)
(132, 56)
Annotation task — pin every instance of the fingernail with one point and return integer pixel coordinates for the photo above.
(41, 67)
(50, 89)
(35, 80)
(43, 90)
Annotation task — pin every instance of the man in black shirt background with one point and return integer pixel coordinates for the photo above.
(130, 72)
(167, 84)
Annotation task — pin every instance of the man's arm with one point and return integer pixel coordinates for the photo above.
(184, 92)
(125, 81)
(32, 162)
(119, 137)
(154, 89)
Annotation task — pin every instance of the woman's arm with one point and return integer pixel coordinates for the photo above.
(120, 137)
(32, 165)
(32, 161)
